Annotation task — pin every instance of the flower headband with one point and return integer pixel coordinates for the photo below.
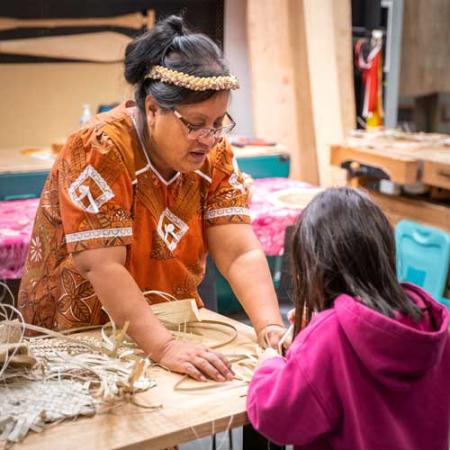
(192, 82)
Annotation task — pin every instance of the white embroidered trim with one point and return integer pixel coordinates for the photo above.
(149, 163)
(77, 191)
(99, 234)
(203, 175)
(234, 181)
(234, 211)
(144, 169)
(167, 232)
(161, 178)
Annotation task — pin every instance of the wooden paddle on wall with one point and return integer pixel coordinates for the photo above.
(134, 20)
(106, 46)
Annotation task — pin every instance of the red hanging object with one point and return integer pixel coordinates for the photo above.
(371, 68)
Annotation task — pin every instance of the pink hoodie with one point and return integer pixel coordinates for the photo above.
(357, 380)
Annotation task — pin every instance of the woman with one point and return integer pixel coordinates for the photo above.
(138, 196)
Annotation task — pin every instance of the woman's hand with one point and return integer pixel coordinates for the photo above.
(195, 360)
(270, 335)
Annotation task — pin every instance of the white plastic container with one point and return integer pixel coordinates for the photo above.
(86, 114)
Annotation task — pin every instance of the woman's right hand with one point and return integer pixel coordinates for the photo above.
(195, 360)
(104, 268)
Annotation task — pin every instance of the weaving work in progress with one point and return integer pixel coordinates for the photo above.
(30, 405)
(183, 319)
(57, 376)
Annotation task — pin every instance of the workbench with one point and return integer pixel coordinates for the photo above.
(23, 172)
(408, 161)
(184, 416)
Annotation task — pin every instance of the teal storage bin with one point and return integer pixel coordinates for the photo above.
(21, 185)
(23, 172)
(265, 166)
(423, 256)
(227, 301)
(445, 302)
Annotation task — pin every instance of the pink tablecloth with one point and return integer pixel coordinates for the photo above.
(268, 219)
(16, 224)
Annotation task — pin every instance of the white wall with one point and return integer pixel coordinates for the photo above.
(236, 52)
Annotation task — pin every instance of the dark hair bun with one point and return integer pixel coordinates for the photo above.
(172, 45)
(177, 24)
(149, 48)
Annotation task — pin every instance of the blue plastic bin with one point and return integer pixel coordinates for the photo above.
(423, 256)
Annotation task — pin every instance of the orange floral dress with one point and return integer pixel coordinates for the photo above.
(103, 191)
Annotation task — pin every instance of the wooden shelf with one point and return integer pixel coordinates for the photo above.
(407, 160)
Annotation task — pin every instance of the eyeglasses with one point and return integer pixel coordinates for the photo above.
(199, 132)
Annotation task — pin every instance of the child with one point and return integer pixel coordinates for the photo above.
(371, 370)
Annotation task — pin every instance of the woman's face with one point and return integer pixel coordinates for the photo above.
(171, 148)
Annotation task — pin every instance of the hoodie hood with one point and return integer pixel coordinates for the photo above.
(396, 351)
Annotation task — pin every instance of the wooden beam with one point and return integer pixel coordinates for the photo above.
(329, 48)
(302, 78)
(425, 61)
(308, 169)
(275, 111)
(133, 20)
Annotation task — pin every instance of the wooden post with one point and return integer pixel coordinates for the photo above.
(308, 169)
(275, 111)
(302, 78)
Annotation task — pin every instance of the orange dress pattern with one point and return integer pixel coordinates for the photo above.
(103, 191)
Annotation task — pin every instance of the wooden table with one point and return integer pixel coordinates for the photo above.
(23, 172)
(405, 159)
(429, 164)
(185, 416)
(23, 160)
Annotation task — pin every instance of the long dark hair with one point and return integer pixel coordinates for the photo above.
(171, 44)
(343, 244)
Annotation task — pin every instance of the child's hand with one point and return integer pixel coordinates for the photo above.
(291, 316)
(267, 353)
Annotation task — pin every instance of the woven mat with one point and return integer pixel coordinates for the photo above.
(28, 406)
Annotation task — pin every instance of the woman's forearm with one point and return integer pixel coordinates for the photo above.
(124, 301)
(122, 298)
(251, 280)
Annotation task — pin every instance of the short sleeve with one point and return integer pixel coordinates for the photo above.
(96, 192)
(228, 197)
